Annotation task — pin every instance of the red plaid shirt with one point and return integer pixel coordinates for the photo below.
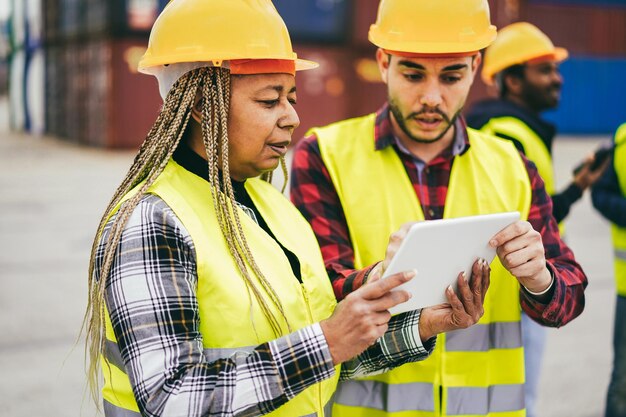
(313, 192)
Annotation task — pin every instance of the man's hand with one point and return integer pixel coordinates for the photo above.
(521, 252)
(461, 311)
(586, 177)
(395, 240)
(361, 318)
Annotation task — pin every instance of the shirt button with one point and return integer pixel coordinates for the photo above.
(427, 170)
(431, 212)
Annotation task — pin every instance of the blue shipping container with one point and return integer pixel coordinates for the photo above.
(315, 20)
(594, 96)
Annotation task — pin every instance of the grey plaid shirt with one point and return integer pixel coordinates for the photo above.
(151, 299)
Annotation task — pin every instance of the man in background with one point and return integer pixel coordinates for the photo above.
(609, 198)
(523, 66)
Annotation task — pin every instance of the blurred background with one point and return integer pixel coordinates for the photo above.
(70, 65)
(73, 109)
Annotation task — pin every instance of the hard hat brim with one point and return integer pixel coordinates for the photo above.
(559, 55)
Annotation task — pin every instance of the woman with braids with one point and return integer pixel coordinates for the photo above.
(208, 293)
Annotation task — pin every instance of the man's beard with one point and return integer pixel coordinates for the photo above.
(540, 99)
(400, 119)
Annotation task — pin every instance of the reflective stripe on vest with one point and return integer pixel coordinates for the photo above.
(477, 186)
(482, 401)
(484, 337)
(619, 233)
(384, 397)
(223, 302)
(111, 410)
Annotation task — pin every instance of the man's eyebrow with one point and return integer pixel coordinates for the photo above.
(411, 64)
(455, 67)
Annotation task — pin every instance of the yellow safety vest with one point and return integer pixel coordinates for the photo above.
(534, 148)
(619, 233)
(223, 299)
(481, 369)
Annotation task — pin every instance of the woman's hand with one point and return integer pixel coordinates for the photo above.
(461, 311)
(361, 318)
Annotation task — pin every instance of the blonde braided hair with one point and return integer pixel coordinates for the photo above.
(214, 86)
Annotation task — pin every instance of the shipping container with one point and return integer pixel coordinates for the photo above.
(323, 93)
(34, 95)
(33, 24)
(595, 31)
(55, 76)
(17, 25)
(367, 90)
(133, 98)
(316, 20)
(592, 101)
(17, 69)
(363, 16)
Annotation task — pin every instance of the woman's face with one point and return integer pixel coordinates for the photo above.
(261, 121)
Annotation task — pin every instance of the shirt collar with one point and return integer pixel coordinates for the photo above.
(194, 163)
(384, 136)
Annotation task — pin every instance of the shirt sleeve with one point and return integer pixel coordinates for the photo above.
(562, 202)
(150, 295)
(568, 299)
(400, 344)
(314, 194)
(608, 199)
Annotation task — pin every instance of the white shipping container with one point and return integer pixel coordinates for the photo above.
(35, 105)
(16, 90)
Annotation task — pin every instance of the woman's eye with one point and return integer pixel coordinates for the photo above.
(269, 103)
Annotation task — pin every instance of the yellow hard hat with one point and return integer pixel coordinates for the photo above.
(432, 26)
(516, 44)
(215, 31)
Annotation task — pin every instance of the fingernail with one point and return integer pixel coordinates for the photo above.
(449, 289)
(493, 243)
(464, 276)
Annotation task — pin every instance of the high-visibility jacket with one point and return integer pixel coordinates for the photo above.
(619, 233)
(221, 292)
(480, 370)
(534, 148)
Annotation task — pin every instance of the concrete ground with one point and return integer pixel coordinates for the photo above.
(51, 198)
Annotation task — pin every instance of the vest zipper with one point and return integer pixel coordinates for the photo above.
(305, 294)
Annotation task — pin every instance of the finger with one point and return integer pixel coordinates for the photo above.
(391, 299)
(521, 257)
(376, 273)
(528, 269)
(383, 286)
(381, 318)
(515, 244)
(455, 303)
(476, 280)
(465, 294)
(509, 233)
(486, 278)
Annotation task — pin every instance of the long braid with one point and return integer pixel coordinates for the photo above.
(153, 156)
(154, 153)
(223, 196)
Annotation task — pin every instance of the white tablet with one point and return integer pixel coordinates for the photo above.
(441, 249)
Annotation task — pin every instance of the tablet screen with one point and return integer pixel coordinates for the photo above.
(441, 249)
